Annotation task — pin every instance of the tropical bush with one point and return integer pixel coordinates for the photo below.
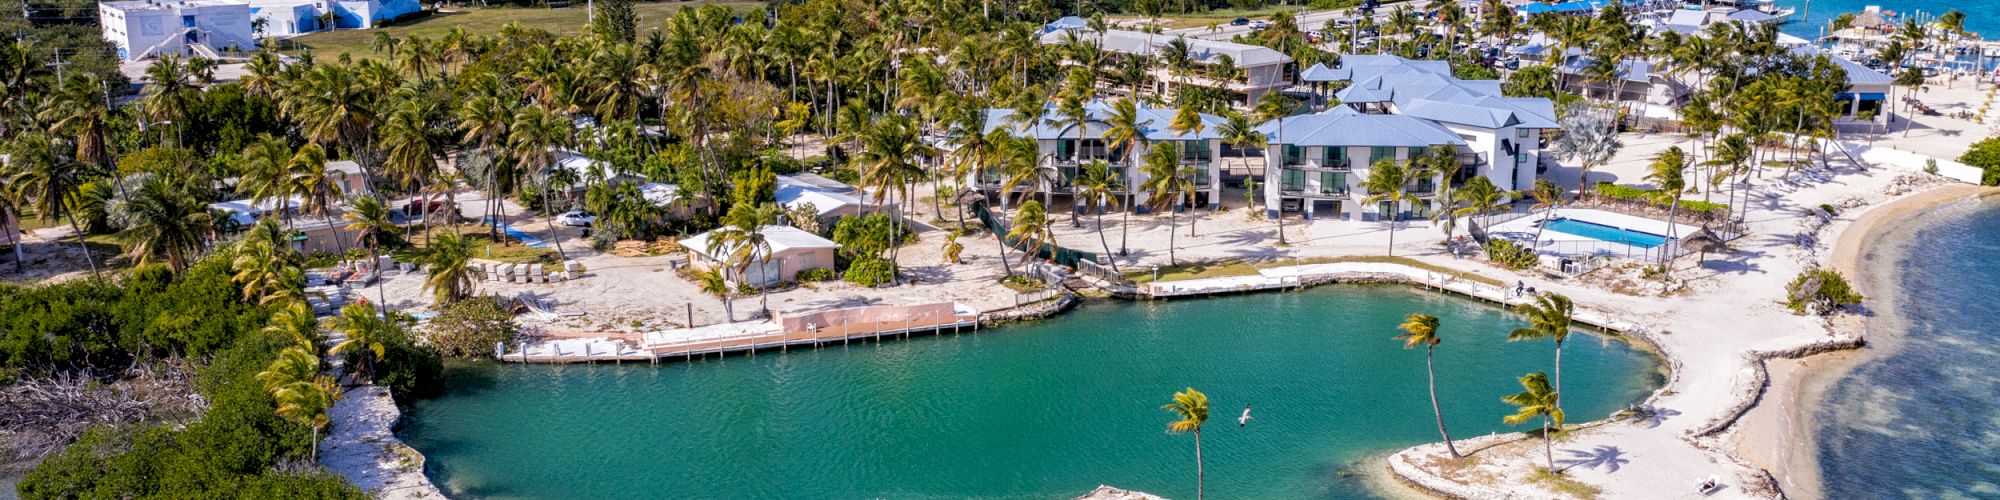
(871, 272)
(870, 235)
(1820, 291)
(1511, 255)
(469, 328)
(818, 274)
(1985, 154)
(1654, 197)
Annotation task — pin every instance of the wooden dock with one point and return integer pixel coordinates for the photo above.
(838, 326)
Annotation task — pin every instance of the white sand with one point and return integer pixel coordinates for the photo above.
(362, 447)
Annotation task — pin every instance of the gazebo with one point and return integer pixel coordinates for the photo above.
(1703, 241)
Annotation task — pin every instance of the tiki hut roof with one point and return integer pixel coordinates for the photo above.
(1868, 20)
(1704, 241)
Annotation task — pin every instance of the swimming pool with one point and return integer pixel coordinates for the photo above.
(1606, 233)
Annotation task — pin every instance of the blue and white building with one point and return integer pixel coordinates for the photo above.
(1399, 109)
(144, 29)
(286, 18)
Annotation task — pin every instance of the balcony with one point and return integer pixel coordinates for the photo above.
(1334, 164)
(1331, 192)
(1421, 189)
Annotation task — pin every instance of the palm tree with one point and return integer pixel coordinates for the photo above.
(1095, 188)
(369, 220)
(1190, 407)
(1479, 197)
(484, 120)
(1421, 329)
(1124, 133)
(1031, 231)
(367, 335)
(1274, 107)
(267, 174)
(317, 191)
(532, 139)
(296, 321)
(445, 258)
(888, 158)
(1667, 171)
(712, 281)
(1548, 317)
(1165, 185)
(45, 180)
(165, 220)
(741, 240)
(266, 266)
(306, 404)
(1537, 401)
(1547, 197)
(1388, 180)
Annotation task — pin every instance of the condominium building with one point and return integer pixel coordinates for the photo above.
(1398, 108)
(1258, 70)
(1063, 149)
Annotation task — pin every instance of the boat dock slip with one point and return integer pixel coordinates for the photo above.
(801, 330)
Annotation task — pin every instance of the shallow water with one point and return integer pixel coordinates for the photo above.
(1041, 410)
(1919, 419)
(1981, 16)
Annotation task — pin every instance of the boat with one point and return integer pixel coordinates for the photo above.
(1780, 14)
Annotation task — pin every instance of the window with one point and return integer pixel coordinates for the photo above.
(1386, 209)
(1294, 154)
(1423, 209)
(1292, 179)
(1419, 152)
(1335, 157)
(1196, 151)
(1379, 153)
(1521, 133)
(187, 21)
(1333, 183)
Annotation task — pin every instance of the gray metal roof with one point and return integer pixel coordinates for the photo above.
(1153, 122)
(1148, 45)
(1426, 89)
(1320, 73)
(1343, 126)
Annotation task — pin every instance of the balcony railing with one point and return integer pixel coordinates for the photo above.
(1336, 164)
(1423, 189)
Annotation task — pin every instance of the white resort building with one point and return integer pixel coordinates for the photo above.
(144, 29)
(1259, 70)
(1063, 150)
(1398, 108)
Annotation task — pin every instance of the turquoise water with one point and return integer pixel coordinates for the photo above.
(1606, 233)
(1922, 421)
(1981, 16)
(1041, 410)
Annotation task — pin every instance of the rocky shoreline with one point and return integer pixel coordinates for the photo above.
(362, 447)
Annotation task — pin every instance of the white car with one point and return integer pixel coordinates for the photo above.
(576, 218)
(1258, 25)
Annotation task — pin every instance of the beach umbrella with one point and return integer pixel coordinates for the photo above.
(1703, 241)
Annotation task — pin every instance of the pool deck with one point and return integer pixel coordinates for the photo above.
(1571, 245)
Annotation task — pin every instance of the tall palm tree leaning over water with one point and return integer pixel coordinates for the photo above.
(1190, 407)
(1422, 329)
(1536, 400)
(1549, 317)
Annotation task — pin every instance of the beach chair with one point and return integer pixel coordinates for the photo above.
(1708, 486)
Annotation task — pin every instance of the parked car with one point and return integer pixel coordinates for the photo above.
(1239, 21)
(576, 218)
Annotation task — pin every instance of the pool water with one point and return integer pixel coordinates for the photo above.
(1046, 409)
(1606, 233)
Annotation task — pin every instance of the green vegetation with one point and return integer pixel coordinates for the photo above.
(568, 21)
(1820, 291)
(1985, 154)
(1655, 198)
(1222, 269)
(871, 272)
(1512, 256)
(1190, 410)
(469, 328)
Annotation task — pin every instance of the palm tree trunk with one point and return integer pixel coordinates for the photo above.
(78, 229)
(1559, 374)
(375, 262)
(1106, 243)
(1435, 412)
(1548, 449)
(14, 236)
(1125, 222)
(314, 437)
(1173, 222)
(1198, 472)
(553, 237)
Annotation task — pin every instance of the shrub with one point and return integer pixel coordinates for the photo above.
(868, 236)
(1985, 154)
(1652, 196)
(1510, 255)
(871, 272)
(1820, 291)
(469, 328)
(818, 274)
(745, 289)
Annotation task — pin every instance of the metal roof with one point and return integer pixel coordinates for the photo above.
(781, 239)
(1426, 89)
(1343, 126)
(1148, 45)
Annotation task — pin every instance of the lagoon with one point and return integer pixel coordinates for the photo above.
(1047, 409)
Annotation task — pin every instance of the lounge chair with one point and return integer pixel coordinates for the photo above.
(1708, 486)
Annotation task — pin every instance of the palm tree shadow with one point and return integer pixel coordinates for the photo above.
(1652, 416)
(1606, 456)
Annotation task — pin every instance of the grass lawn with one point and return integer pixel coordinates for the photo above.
(487, 21)
(484, 248)
(1202, 270)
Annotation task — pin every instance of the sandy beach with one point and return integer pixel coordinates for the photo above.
(1779, 435)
